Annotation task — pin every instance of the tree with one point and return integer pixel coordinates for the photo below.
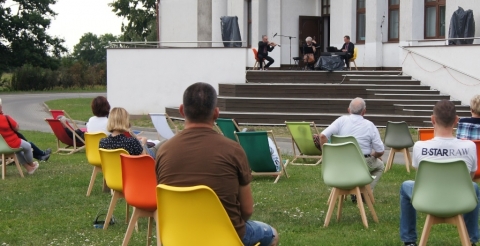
(92, 49)
(141, 16)
(23, 37)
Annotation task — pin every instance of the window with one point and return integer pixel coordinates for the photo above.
(361, 21)
(434, 19)
(393, 19)
(325, 7)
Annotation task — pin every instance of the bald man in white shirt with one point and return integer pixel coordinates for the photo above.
(366, 134)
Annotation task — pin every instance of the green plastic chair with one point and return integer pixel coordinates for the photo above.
(255, 145)
(6, 152)
(343, 167)
(439, 188)
(227, 127)
(399, 139)
(302, 137)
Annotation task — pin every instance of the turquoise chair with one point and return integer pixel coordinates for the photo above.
(439, 188)
(399, 139)
(255, 145)
(6, 152)
(302, 138)
(343, 168)
(227, 127)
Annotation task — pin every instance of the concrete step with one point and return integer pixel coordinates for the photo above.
(424, 106)
(460, 113)
(293, 76)
(397, 91)
(382, 81)
(382, 77)
(410, 96)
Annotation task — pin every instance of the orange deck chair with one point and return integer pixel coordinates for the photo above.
(63, 137)
(139, 188)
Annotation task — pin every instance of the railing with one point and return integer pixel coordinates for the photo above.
(160, 44)
(443, 65)
(434, 40)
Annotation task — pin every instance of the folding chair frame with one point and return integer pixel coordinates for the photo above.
(67, 149)
(301, 155)
(169, 120)
(66, 115)
(220, 130)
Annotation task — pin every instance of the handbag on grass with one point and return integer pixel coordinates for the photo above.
(11, 127)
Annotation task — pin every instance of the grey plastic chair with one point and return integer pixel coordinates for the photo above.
(399, 139)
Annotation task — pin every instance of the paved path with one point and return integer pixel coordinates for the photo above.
(29, 111)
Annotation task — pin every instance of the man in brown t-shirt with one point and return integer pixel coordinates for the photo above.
(200, 156)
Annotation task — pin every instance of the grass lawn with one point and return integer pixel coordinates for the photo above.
(50, 207)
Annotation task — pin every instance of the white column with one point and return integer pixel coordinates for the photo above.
(219, 9)
(274, 25)
(375, 32)
(411, 20)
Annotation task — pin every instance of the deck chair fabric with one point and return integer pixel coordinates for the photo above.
(160, 122)
(72, 145)
(259, 155)
(302, 138)
(227, 127)
(57, 112)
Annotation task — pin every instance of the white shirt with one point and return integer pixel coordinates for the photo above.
(363, 130)
(97, 124)
(446, 148)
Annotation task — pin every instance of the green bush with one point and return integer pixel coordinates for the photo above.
(28, 78)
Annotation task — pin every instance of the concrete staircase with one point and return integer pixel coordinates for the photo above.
(273, 97)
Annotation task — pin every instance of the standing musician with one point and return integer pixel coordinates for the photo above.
(309, 52)
(347, 47)
(263, 48)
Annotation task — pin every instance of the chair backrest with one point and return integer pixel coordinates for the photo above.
(112, 167)
(440, 185)
(255, 53)
(336, 139)
(477, 173)
(160, 122)
(228, 127)
(425, 134)
(55, 113)
(398, 135)
(343, 166)
(4, 147)
(355, 52)
(197, 211)
(303, 137)
(255, 145)
(139, 181)
(92, 140)
(60, 133)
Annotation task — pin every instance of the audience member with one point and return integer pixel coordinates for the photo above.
(69, 128)
(469, 128)
(100, 110)
(118, 124)
(365, 133)
(200, 156)
(8, 130)
(444, 119)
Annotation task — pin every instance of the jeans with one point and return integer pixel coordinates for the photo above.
(408, 215)
(257, 232)
(25, 156)
(37, 153)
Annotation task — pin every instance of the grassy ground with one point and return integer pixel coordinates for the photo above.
(50, 207)
(79, 109)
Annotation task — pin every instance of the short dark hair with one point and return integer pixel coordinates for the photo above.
(199, 102)
(348, 37)
(100, 106)
(445, 113)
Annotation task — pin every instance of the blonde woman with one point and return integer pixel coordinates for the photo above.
(469, 127)
(118, 124)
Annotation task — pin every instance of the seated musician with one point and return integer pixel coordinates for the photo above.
(347, 47)
(264, 47)
(309, 52)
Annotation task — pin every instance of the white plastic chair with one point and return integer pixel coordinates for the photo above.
(160, 121)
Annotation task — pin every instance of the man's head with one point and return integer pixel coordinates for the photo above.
(346, 39)
(444, 114)
(474, 106)
(357, 106)
(265, 38)
(200, 104)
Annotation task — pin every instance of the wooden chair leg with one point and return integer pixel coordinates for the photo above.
(368, 200)
(360, 206)
(127, 212)
(130, 227)
(409, 158)
(340, 206)
(368, 190)
(157, 228)
(18, 165)
(407, 161)
(390, 160)
(149, 232)
(462, 230)
(426, 230)
(92, 179)
(113, 202)
(330, 196)
(355, 65)
(331, 206)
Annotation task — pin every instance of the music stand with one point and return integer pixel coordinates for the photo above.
(290, 38)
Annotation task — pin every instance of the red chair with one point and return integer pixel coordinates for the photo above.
(77, 142)
(476, 178)
(139, 188)
(425, 134)
(55, 113)
(257, 62)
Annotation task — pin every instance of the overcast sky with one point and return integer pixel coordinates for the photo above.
(76, 17)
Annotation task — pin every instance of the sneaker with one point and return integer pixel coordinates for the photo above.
(354, 198)
(48, 151)
(34, 168)
(410, 244)
(44, 158)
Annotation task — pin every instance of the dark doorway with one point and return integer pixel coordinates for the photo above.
(311, 26)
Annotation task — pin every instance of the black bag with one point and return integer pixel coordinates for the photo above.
(18, 133)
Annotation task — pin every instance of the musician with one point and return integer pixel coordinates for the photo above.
(264, 47)
(347, 47)
(309, 52)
